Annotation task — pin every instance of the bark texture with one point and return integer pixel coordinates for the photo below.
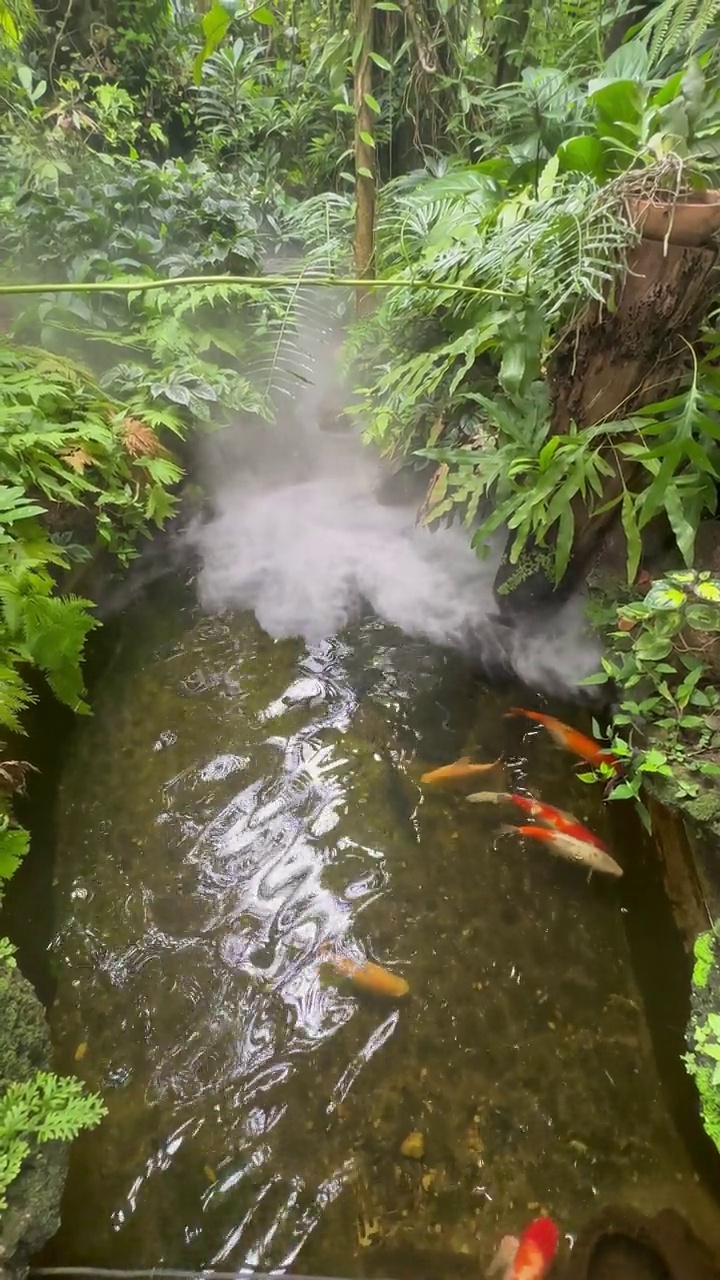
(364, 153)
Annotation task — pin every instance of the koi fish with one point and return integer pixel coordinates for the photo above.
(567, 846)
(530, 1257)
(546, 813)
(571, 739)
(368, 976)
(462, 770)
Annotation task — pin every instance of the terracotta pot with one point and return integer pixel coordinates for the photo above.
(691, 220)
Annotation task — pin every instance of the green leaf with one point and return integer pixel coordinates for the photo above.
(598, 677)
(387, 6)
(372, 103)
(583, 155)
(380, 61)
(25, 76)
(364, 173)
(547, 179)
(632, 535)
(616, 102)
(624, 791)
(708, 591)
(703, 617)
(650, 648)
(367, 138)
(661, 596)
(682, 528)
(264, 16)
(214, 26)
(14, 844)
(566, 532)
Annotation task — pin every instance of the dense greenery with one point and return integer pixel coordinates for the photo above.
(485, 160)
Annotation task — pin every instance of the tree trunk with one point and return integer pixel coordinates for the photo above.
(512, 23)
(365, 166)
(607, 366)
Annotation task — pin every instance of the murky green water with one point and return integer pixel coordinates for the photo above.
(233, 804)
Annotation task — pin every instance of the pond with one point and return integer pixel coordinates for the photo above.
(241, 798)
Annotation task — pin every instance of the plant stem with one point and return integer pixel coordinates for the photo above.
(268, 282)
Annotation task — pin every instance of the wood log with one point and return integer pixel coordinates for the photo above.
(607, 365)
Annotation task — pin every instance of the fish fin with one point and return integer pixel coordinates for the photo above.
(506, 829)
(488, 797)
(514, 711)
(499, 765)
(463, 760)
(505, 1256)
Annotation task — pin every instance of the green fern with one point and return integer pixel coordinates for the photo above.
(14, 844)
(676, 27)
(48, 1108)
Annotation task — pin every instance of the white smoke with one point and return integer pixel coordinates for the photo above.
(299, 536)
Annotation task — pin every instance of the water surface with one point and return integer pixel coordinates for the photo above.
(235, 803)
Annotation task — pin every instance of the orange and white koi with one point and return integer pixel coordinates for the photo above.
(459, 772)
(530, 1257)
(571, 739)
(545, 813)
(367, 976)
(566, 846)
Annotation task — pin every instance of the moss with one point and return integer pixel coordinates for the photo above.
(709, 1103)
(33, 1212)
(704, 808)
(704, 952)
(541, 560)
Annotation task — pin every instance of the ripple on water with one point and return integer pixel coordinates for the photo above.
(214, 833)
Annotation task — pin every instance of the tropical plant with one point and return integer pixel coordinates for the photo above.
(664, 653)
(45, 1108)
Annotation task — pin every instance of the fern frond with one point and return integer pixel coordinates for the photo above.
(677, 26)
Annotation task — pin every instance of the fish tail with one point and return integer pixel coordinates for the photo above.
(488, 797)
(504, 1257)
(507, 829)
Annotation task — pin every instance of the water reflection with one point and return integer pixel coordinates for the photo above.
(212, 839)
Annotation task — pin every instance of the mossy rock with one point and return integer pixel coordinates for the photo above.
(705, 1006)
(33, 1212)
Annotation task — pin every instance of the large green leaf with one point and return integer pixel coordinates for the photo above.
(214, 27)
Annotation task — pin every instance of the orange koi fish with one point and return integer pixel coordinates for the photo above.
(546, 813)
(461, 771)
(571, 739)
(567, 846)
(530, 1257)
(368, 976)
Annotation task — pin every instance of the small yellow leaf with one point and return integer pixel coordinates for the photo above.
(81, 1051)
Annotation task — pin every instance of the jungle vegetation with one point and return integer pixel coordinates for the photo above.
(478, 156)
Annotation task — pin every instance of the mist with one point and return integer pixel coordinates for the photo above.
(299, 535)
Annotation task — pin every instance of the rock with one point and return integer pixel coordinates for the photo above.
(413, 1148)
(622, 1244)
(33, 1213)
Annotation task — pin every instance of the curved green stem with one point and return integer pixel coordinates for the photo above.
(267, 282)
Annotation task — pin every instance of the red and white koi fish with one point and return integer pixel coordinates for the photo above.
(530, 1257)
(566, 846)
(570, 739)
(545, 813)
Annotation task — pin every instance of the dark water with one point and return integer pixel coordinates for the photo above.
(233, 804)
